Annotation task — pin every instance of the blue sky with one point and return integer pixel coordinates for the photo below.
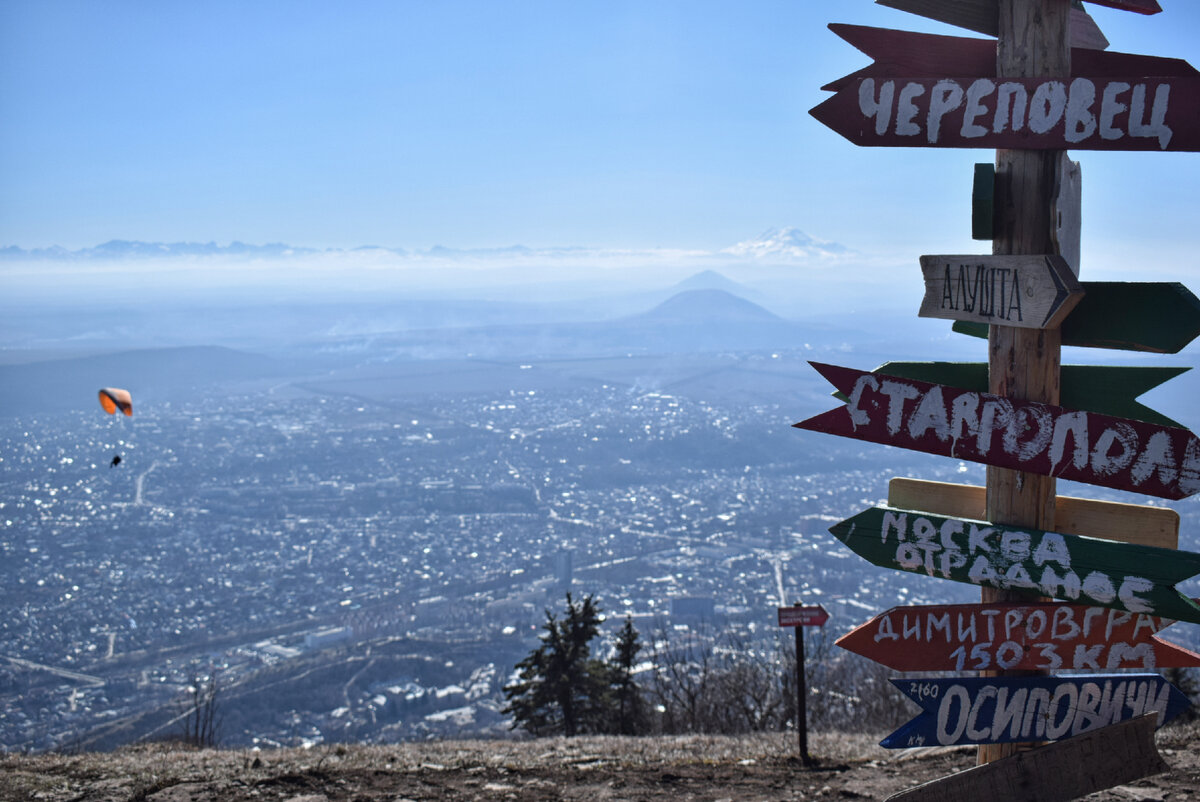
(481, 124)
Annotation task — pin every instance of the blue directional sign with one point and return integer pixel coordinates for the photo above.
(991, 710)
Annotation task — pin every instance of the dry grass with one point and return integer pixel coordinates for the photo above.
(135, 773)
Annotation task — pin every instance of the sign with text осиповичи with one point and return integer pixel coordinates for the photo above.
(1038, 636)
(991, 710)
(1104, 573)
(1032, 292)
(1125, 113)
(1050, 440)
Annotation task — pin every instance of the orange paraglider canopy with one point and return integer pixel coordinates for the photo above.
(113, 399)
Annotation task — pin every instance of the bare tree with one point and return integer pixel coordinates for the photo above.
(199, 710)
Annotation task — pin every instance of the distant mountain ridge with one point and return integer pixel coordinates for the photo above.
(706, 306)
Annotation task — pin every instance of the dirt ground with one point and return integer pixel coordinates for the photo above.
(603, 768)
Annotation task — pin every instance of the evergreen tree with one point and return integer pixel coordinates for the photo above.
(629, 707)
(560, 689)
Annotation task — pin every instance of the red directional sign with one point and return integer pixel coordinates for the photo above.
(939, 111)
(898, 54)
(1034, 636)
(1039, 438)
(1136, 6)
(810, 616)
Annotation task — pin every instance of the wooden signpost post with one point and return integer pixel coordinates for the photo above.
(997, 710)
(1001, 431)
(799, 617)
(1034, 292)
(1030, 96)
(1019, 637)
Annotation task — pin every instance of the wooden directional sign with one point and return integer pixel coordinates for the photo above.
(1020, 435)
(993, 710)
(806, 616)
(983, 16)
(1107, 389)
(1045, 636)
(1124, 113)
(1064, 770)
(1030, 292)
(1104, 573)
(1160, 317)
(1109, 520)
(1136, 6)
(900, 54)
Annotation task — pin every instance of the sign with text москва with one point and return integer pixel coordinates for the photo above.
(1039, 438)
(1104, 573)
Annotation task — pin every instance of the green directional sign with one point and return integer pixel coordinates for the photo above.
(1086, 570)
(1160, 317)
(1106, 389)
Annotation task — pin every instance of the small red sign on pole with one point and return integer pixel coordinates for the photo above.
(811, 616)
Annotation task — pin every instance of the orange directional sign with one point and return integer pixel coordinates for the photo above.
(1035, 636)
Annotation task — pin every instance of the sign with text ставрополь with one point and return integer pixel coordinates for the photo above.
(1039, 438)
(1038, 636)
(1032, 292)
(991, 710)
(803, 616)
(1103, 573)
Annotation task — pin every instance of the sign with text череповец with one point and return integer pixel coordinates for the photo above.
(1039, 438)
(992, 710)
(1035, 636)
(1031, 292)
(1125, 113)
(803, 616)
(1103, 573)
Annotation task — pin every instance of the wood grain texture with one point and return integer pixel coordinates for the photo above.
(983, 16)
(1028, 291)
(1033, 41)
(1127, 523)
(1065, 770)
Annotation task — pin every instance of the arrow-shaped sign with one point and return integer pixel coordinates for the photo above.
(806, 616)
(1020, 435)
(1071, 769)
(1045, 636)
(1103, 573)
(1136, 6)
(983, 16)
(992, 710)
(939, 111)
(1107, 520)
(1106, 389)
(899, 54)
(1160, 317)
(1031, 292)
